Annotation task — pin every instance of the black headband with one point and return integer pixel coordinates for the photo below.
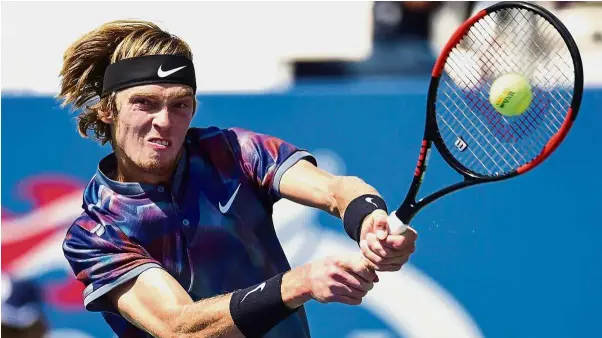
(148, 69)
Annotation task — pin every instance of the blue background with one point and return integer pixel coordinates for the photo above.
(521, 256)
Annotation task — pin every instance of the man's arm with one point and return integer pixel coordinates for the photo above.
(309, 185)
(156, 303)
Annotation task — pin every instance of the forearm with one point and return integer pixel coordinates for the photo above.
(207, 318)
(306, 184)
(295, 289)
(309, 185)
(212, 317)
(156, 303)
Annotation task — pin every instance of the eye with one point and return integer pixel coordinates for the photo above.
(141, 101)
(182, 105)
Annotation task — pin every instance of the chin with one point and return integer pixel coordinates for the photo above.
(157, 166)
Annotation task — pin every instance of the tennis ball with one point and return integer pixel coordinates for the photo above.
(510, 94)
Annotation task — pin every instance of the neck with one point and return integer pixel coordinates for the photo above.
(127, 171)
(139, 176)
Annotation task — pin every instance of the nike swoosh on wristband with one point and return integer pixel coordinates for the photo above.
(259, 287)
(165, 73)
(369, 200)
(224, 208)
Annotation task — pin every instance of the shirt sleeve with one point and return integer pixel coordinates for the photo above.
(103, 257)
(266, 158)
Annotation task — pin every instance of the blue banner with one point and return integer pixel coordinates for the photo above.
(518, 258)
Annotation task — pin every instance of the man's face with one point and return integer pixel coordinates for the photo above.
(151, 125)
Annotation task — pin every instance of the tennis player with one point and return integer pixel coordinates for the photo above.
(176, 237)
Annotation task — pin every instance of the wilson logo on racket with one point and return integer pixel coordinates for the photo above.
(460, 144)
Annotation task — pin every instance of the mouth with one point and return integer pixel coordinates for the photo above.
(159, 143)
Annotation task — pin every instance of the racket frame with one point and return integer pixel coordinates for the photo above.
(410, 206)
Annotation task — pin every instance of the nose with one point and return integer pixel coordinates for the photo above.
(161, 119)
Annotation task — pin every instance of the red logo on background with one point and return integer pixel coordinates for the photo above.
(30, 236)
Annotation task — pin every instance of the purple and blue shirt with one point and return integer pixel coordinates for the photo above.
(211, 228)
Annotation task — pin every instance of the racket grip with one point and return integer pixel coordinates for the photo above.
(396, 227)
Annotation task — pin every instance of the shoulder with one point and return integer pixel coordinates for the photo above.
(195, 134)
(200, 135)
(84, 223)
(212, 140)
(89, 232)
(82, 240)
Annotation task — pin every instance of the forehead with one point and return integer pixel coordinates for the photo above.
(167, 91)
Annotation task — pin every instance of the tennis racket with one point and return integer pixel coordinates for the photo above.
(479, 143)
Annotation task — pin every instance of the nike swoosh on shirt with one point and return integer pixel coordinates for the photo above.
(224, 208)
(259, 287)
(164, 73)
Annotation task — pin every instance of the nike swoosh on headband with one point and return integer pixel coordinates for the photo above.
(165, 73)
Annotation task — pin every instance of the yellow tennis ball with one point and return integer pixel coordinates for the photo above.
(510, 94)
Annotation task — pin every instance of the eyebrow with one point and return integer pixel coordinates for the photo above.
(171, 96)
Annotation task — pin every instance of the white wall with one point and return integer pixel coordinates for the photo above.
(237, 45)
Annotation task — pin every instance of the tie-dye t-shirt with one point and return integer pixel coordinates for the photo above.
(211, 228)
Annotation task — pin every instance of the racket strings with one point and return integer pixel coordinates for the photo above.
(508, 149)
(507, 41)
(555, 40)
(508, 26)
(475, 131)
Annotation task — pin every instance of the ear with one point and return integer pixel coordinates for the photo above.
(106, 116)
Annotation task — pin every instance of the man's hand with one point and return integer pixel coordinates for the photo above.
(383, 251)
(341, 279)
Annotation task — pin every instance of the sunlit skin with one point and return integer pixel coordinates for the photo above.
(149, 130)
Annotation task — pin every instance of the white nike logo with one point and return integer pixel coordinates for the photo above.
(224, 208)
(163, 73)
(259, 287)
(369, 200)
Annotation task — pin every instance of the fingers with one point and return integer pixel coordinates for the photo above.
(355, 274)
(341, 293)
(343, 289)
(376, 252)
(379, 247)
(399, 242)
(380, 224)
(388, 255)
(356, 264)
(394, 265)
(388, 267)
(354, 281)
(339, 280)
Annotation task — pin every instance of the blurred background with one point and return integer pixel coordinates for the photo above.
(348, 81)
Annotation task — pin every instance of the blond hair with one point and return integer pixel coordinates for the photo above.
(86, 60)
